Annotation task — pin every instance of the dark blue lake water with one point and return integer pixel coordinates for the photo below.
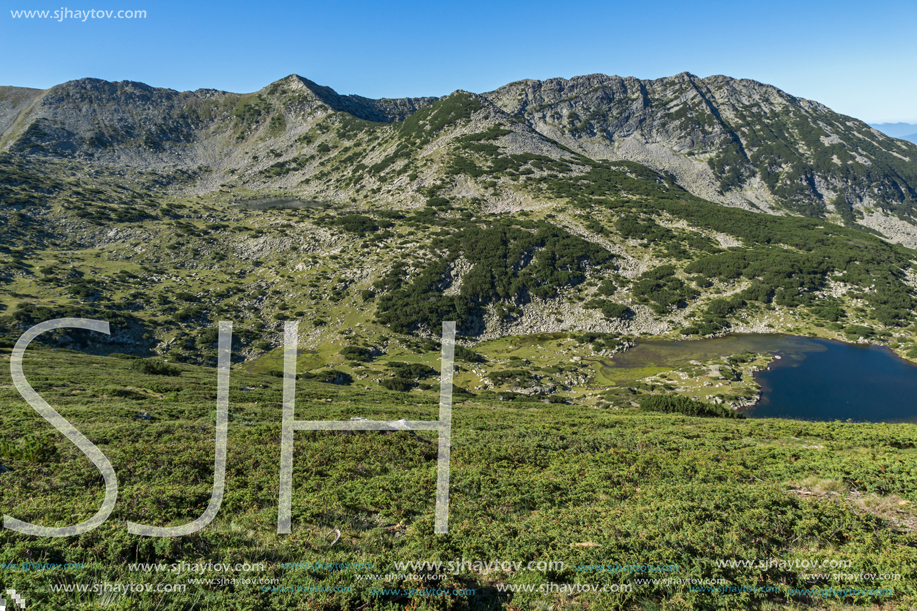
(818, 379)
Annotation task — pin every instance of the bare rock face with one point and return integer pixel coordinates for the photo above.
(736, 142)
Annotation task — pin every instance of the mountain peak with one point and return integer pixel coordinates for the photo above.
(382, 110)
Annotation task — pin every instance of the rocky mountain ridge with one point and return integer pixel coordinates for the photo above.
(736, 142)
(733, 141)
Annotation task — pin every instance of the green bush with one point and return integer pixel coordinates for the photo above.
(397, 384)
(831, 313)
(154, 367)
(858, 331)
(356, 353)
(684, 405)
(467, 355)
(276, 126)
(123, 393)
(30, 448)
(208, 337)
(412, 370)
(661, 289)
(607, 288)
(438, 202)
(328, 376)
(512, 259)
(609, 309)
(359, 224)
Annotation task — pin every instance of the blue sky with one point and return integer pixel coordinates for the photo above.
(857, 58)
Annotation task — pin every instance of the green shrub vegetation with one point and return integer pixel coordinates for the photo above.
(398, 384)
(787, 258)
(357, 223)
(423, 125)
(30, 448)
(661, 289)
(467, 355)
(513, 260)
(788, 172)
(357, 353)
(639, 487)
(414, 371)
(609, 309)
(684, 405)
(154, 367)
(276, 126)
(282, 168)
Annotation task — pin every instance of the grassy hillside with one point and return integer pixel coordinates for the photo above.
(530, 481)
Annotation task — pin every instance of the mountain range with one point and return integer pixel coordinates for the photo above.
(678, 207)
(731, 141)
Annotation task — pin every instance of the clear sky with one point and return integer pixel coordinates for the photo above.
(856, 57)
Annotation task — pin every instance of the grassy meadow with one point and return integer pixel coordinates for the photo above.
(530, 481)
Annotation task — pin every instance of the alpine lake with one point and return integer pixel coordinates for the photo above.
(806, 378)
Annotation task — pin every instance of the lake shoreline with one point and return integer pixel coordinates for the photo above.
(776, 375)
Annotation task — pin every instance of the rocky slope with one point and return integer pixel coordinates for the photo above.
(413, 227)
(735, 142)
